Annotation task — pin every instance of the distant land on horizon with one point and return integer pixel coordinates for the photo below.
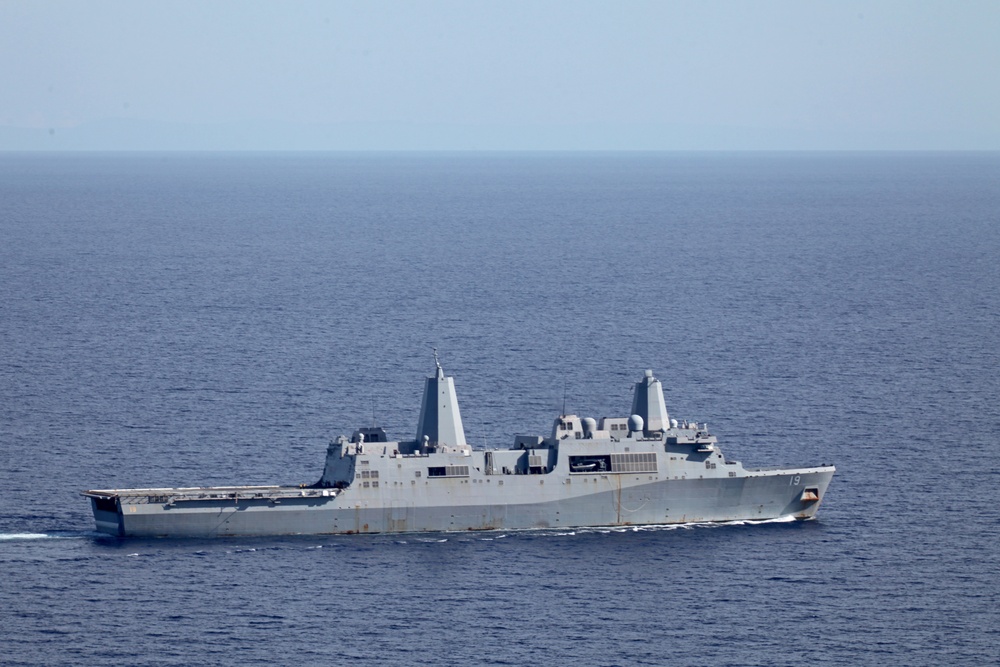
(145, 135)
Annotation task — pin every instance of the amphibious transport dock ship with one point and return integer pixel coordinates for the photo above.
(645, 468)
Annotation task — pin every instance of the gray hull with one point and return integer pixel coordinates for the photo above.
(640, 470)
(774, 495)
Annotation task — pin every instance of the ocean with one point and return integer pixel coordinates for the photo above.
(184, 319)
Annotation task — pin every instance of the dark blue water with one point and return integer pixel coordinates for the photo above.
(205, 319)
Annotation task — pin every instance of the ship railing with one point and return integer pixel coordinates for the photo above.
(172, 496)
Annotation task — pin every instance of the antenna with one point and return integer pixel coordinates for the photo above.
(564, 398)
(436, 361)
(373, 409)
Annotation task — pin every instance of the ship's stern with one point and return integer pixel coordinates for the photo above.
(107, 513)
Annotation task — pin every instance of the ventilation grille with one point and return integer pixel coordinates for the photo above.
(634, 462)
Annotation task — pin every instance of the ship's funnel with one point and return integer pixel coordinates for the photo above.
(440, 420)
(647, 402)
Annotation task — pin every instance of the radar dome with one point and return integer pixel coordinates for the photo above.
(635, 423)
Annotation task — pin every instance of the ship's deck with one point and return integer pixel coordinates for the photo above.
(166, 495)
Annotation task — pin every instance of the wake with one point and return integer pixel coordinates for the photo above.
(56, 535)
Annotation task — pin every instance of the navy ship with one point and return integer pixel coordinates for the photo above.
(641, 469)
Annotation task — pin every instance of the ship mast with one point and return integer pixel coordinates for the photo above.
(440, 420)
(648, 403)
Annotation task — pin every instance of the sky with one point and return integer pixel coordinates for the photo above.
(510, 75)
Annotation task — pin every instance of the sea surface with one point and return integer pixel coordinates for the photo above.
(196, 319)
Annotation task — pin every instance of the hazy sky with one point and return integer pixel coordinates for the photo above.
(789, 73)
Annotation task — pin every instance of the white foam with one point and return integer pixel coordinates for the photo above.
(692, 525)
(58, 535)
